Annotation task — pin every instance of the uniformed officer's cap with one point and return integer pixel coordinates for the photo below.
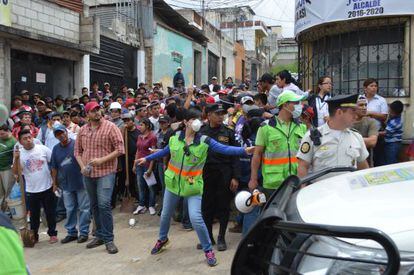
(288, 96)
(343, 101)
(216, 108)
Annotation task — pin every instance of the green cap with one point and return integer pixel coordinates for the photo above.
(288, 96)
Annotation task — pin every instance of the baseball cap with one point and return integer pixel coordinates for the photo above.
(216, 108)
(91, 106)
(58, 127)
(164, 118)
(24, 92)
(115, 105)
(179, 68)
(106, 84)
(126, 114)
(75, 97)
(40, 102)
(246, 99)
(288, 96)
(214, 78)
(129, 102)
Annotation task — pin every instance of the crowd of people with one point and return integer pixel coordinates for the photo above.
(190, 149)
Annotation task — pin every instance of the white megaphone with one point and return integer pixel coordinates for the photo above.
(246, 201)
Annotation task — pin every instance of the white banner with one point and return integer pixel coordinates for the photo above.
(310, 13)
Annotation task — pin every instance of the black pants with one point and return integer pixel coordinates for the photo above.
(47, 199)
(217, 197)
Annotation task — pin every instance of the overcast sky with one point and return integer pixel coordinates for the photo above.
(272, 12)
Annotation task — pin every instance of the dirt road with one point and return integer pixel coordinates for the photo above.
(134, 257)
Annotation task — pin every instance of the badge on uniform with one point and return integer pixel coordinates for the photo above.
(223, 139)
(305, 147)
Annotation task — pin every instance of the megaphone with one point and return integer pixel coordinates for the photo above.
(246, 201)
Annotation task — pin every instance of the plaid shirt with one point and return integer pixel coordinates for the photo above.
(97, 143)
(394, 130)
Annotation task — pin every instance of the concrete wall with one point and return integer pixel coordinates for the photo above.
(45, 18)
(166, 44)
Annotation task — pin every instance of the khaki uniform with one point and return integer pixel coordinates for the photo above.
(346, 148)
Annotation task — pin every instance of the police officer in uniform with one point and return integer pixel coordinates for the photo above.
(221, 175)
(334, 143)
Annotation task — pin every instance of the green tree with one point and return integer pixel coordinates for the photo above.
(292, 68)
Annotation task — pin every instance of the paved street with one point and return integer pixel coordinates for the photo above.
(181, 257)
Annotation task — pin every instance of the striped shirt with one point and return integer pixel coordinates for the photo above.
(394, 130)
(98, 143)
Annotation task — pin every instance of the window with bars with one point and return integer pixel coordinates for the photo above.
(350, 58)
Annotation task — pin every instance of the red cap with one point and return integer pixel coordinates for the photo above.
(222, 92)
(129, 102)
(91, 105)
(210, 100)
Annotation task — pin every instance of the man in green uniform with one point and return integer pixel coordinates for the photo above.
(277, 143)
(11, 249)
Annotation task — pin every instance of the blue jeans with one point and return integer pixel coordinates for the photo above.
(391, 151)
(194, 209)
(145, 198)
(100, 193)
(249, 219)
(185, 221)
(74, 201)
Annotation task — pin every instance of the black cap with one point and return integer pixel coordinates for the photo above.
(343, 101)
(216, 108)
(49, 99)
(164, 118)
(23, 111)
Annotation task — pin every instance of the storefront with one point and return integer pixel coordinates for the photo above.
(352, 40)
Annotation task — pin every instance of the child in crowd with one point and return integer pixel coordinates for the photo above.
(393, 132)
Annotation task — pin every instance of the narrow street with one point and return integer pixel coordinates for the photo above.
(134, 257)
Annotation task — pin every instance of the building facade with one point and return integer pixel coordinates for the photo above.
(44, 47)
(177, 43)
(354, 43)
(238, 23)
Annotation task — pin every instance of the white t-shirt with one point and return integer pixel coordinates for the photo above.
(35, 168)
(155, 122)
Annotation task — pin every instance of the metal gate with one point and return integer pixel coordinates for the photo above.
(115, 63)
(351, 57)
(213, 63)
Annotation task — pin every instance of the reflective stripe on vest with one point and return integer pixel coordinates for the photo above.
(278, 158)
(187, 171)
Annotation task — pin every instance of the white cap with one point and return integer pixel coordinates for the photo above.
(115, 105)
(179, 68)
(246, 99)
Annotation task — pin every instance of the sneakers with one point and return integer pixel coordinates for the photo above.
(159, 246)
(140, 210)
(152, 211)
(53, 239)
(211, 258)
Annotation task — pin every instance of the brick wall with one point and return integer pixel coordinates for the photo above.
(46, 18)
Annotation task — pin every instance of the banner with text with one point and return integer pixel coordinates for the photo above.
(5, 13)
(309, 13)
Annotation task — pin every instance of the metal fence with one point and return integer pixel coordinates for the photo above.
(381, 52)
